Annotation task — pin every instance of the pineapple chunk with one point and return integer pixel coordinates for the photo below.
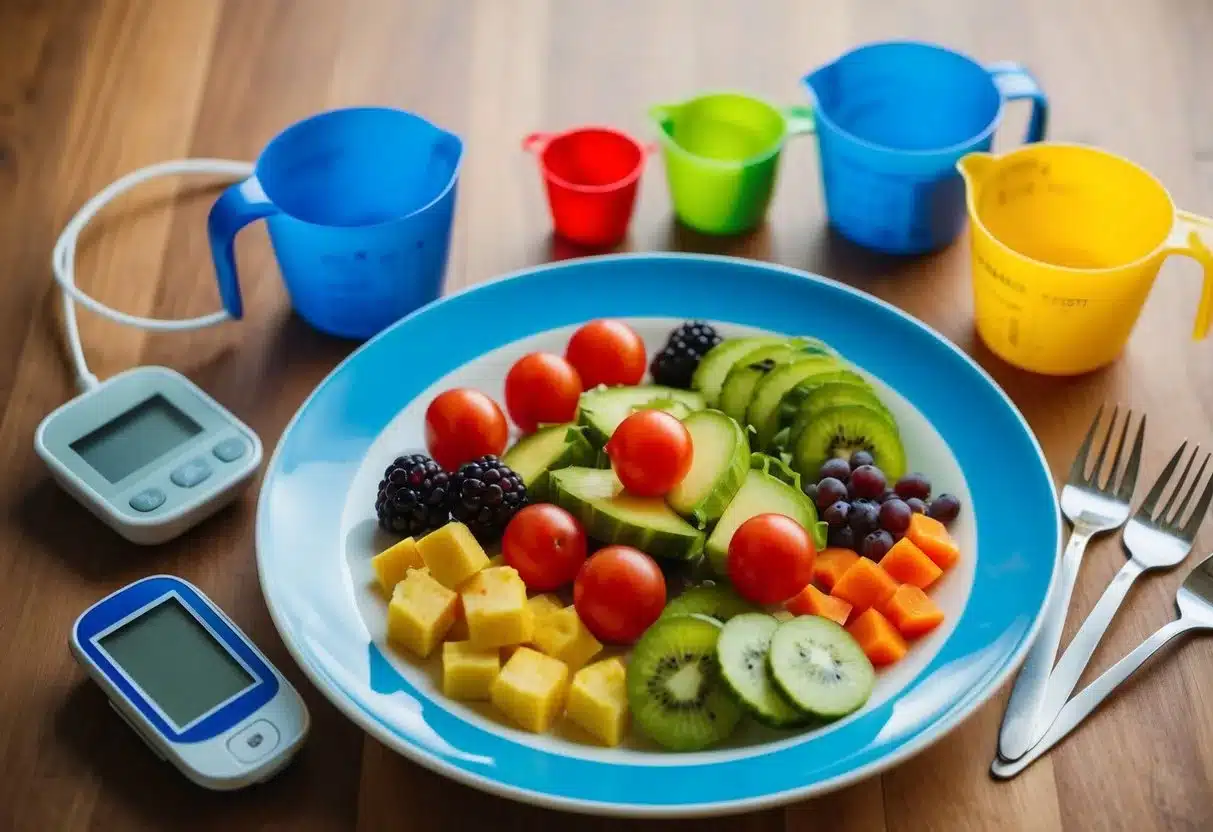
(530, 689)
(543, 604)
(452, 554)
(392, 563)
(420, 612)
(495, 605)
(468, 671)
(598, 700)
(562, 636)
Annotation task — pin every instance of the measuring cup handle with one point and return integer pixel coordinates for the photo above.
(1015, 82)
(241, 204)
(536, 142)
(1193, 236)
(799, 119)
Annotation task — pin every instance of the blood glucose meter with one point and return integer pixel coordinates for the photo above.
(190, 683)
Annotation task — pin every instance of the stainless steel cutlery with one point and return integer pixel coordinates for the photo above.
(1038, 714)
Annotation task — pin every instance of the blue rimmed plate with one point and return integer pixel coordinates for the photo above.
(316, 532)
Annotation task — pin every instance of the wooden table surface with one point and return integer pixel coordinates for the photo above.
(93, 90)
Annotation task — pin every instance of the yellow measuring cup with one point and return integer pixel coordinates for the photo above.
(1066, 243)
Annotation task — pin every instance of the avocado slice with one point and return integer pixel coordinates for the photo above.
(752, 367)
(763, 412)
(769, 487)
(715, 365)
(610, 515)
(718, 467)
(601, 409)
(547, 449)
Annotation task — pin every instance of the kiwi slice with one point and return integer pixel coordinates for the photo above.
(742, 653)
(675, 692)
(831, 394)
(820, 667)
(713, 600)
(843, 429)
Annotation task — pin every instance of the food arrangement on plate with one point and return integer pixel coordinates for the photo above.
(738, 536)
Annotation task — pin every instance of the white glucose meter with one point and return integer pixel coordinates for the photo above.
(148, 452)
(190, 683)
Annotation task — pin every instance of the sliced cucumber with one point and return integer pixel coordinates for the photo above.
(718, 467)
(715, 365)
(843, 429)
(742, 652)
(761, 492)
(602, 409)
(820, 667)
(549, 448)
(763, 412)
(750, 369)
(609, 515)
(714, 600)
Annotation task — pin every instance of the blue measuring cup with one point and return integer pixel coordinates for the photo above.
(359, 205)
(892, 119)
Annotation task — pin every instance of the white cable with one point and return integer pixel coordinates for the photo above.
(63, 259)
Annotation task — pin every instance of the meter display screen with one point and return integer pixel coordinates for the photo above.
(176, 661)
(140, 436)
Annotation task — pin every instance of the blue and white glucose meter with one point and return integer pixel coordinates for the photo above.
(190, 683)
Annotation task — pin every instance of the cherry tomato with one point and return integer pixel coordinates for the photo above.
(541, 387)
(463, 424)
(618, 593)
(607, 352)
(651, 452)
(546, 545)
(771, 558)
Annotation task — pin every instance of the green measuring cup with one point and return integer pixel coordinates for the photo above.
(721, 152)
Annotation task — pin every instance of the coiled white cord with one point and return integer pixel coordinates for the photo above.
(63, 259)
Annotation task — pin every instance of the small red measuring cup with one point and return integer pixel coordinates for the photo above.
(591, 175)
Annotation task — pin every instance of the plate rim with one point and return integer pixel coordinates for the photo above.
(382, 733)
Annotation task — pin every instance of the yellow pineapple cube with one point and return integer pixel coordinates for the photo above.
(468, 671)
(530, 689)
(392, 563)
(452, 554)
(495, 605)
(543, 604)
(598, 700)
(563, 636)
(420, 612)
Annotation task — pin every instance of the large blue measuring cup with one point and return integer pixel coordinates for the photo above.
(359, 204)
(892, 119)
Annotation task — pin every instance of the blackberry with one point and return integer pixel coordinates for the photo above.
(412, 497)
(676, 362)
(485, 494)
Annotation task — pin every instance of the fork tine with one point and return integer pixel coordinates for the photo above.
(1110, 486)
(1146, 512)
(1198, 513)
(1078, 469)
(1103, 449)
(1128, 482)
(1179, 484)
(1173, 522)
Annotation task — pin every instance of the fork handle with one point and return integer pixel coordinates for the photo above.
(1092, 696)
(1077, 655)
(1019, 722)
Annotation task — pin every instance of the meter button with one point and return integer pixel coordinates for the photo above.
(253, 742)
(229, 449)
(149, 499)
(191, 473)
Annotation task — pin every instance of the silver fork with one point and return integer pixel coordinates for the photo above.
(1153, 542)
(1092, 509)
(1195, 602)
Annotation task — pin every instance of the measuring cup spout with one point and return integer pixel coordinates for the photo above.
(975, 168)
(818, 82)
(663, 116)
